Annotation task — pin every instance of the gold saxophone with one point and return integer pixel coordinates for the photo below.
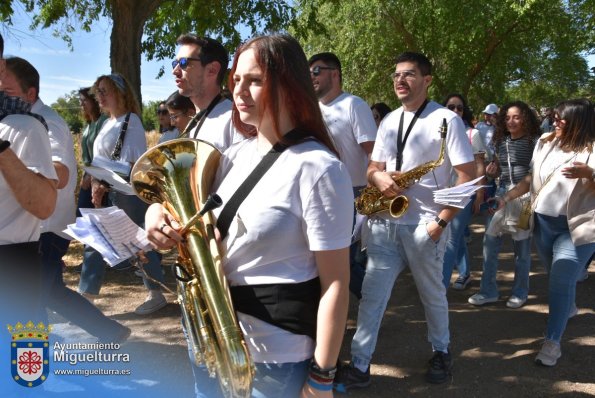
(179, 174)
(372, 201)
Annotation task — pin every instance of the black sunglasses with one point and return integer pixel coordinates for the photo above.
(183, 62)
(315, 71)
(162, 111)
(452, 107)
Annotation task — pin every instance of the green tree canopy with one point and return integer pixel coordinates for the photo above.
(478, 48)
(151, 26)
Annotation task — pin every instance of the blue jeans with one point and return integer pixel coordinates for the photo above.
(93, 270)
(522, 266)
(391, 248)
(563, 261)
(456, 253)
(357, 259)
(270, 380)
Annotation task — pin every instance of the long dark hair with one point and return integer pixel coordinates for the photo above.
(529, 120)
(286, 76)
(578, 131)
(85, 93)
(467, 114)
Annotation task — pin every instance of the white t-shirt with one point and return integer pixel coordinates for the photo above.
(350, 122)
(217, 128)
(487, 132)
(422, 145)
(553, 198)
(63, 152)
(169, 135)
(302, 204)
(29, 141)
(135, 142)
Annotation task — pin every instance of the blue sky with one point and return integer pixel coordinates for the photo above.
(62, 70)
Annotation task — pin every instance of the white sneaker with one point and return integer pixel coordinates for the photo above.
(549, 354)
(154, 302)
(515, 302)
(480, 299)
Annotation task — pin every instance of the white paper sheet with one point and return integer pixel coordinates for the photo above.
(111, 232)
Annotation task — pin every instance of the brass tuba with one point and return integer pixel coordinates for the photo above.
(372, 201)
(179, 175)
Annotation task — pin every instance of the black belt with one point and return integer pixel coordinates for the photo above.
(14, 249)
(290, 306)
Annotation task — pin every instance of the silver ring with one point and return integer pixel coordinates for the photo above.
(161, 228)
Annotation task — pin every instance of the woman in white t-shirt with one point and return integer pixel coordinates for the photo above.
(293, 229)
(120, 143)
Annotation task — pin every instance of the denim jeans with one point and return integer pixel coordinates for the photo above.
(522, 266)
(357, 259)
(391, 248)
(563, 261)
(456, 253)
(93, 270)
(270, 380)
(66, 302)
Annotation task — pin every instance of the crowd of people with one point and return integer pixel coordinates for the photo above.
(296, 151)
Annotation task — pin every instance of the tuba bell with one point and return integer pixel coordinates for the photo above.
(372, 201)
(179, 175)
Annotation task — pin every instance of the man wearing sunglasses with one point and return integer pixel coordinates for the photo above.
(199, 69)
(351, 124)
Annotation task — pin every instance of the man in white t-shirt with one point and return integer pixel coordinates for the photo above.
(418, 238)
(351, 124)
(27, 195)
(486, 127)
(199, 69)
(22, 80)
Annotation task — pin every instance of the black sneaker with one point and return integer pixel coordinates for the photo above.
(440, 366)
(348, 377)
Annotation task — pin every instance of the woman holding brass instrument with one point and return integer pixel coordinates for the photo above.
(292, 231)
(562, 186)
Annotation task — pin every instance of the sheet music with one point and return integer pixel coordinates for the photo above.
(459, 195)
(111, 232)
(111, 178)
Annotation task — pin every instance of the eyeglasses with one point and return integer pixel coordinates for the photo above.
(162, 111)
(452, 107)
(407, 75)
(175, 116)
(315, 71)
(101, 91)
(182, 62)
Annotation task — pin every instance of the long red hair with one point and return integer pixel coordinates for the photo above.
(286, 77)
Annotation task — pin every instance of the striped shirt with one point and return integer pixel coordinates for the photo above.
(521, 151)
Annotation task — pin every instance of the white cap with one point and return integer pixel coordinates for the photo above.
(491, 109)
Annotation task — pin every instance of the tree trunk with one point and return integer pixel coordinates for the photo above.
(129, 17)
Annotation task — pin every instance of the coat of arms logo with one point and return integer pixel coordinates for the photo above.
(29, 353)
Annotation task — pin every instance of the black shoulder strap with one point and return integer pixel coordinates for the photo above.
(118, 147)
(231, 207)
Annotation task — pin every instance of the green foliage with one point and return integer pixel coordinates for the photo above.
(149, 115)
(218, 19)
(487, 51)
(70, 109)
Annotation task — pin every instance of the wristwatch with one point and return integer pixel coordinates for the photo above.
(441, 223)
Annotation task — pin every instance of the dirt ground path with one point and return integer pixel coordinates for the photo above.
(493, 346)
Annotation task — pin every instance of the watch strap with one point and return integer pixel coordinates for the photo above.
(442, 223)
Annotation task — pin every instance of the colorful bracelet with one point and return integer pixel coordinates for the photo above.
(320, 386)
